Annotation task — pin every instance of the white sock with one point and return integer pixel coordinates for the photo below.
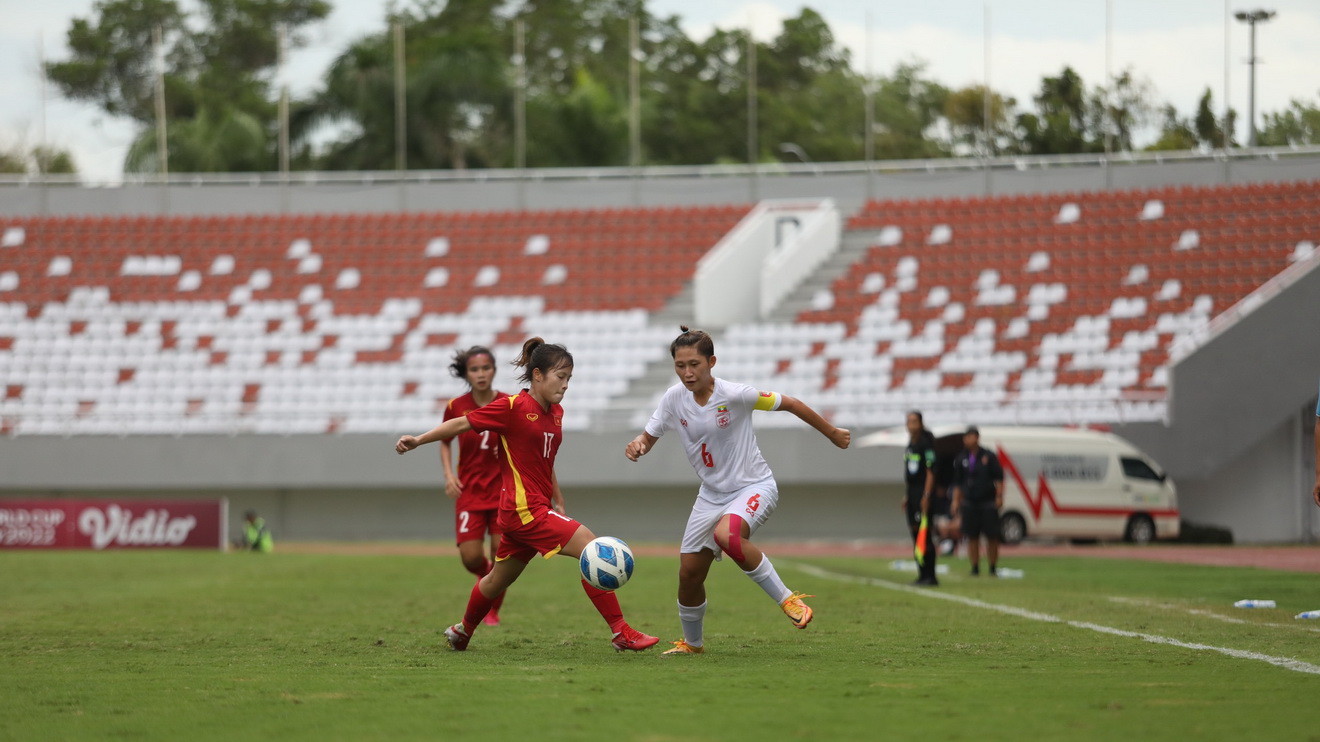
(692, 617)
(766, 576)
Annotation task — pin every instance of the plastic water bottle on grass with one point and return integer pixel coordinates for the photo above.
(1007, 573)
(1254, 604)
(1309, 614)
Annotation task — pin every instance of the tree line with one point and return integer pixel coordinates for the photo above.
(462, 77)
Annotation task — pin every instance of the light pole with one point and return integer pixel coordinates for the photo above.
(1251, 18)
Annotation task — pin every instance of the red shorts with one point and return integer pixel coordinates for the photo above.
(545, 536)
(471, 525)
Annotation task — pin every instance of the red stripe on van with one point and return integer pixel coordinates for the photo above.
(1043, 495)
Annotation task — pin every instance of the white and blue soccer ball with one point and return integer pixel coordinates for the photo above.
(606, 562)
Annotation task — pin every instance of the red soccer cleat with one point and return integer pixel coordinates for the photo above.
(632, 640)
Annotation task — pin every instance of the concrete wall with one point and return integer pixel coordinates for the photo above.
(1257, 495)
(1235, 445)
(847, 183)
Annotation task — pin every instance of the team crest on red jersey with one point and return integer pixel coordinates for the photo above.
(722, 416)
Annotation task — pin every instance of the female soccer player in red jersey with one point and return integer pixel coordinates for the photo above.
(475, 490)
(530, 428)
(713, 419)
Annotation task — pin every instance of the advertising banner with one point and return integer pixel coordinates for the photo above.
(113, 524)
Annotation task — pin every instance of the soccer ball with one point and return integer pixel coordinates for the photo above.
(606, 562)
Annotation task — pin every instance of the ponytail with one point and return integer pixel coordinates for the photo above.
(538, 355)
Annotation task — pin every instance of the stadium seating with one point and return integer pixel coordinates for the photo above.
(1023, 309)
(1038, 308)
(313, 324)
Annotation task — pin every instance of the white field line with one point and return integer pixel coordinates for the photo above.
(1286, 663)
(1209, 614)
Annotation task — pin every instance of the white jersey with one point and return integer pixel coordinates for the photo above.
(718, 436)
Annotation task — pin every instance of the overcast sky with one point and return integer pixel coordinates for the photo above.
(1177, 45)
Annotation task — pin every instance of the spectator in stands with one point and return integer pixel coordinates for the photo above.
(530, 427)
(978, 494)
(919, 476)
(256, 535)
(713, 420)
(475, 490)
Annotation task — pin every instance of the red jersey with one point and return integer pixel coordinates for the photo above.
(530, 436)
(478, 459)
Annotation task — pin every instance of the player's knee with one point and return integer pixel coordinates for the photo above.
(477, 565)
(689, 576)
(732, 543)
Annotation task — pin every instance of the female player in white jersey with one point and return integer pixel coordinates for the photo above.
(738, 491)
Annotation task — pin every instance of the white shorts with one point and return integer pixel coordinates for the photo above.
(753, 503)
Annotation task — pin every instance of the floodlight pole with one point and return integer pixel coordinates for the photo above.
(1251, 18)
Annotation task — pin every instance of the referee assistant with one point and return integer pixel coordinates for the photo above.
(919, 475)
(978, 494)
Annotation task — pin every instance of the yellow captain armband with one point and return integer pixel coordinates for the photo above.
(767, 401)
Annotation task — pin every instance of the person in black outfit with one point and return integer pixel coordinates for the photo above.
(919, 474)
(978, 482)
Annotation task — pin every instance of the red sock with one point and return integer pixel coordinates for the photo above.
(607, 603)
(477, 608)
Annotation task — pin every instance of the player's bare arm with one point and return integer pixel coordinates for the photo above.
(639, 446)
(453, 485)
(840, 437)
(446, 429)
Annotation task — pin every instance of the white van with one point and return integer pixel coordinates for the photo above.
(1066, 482)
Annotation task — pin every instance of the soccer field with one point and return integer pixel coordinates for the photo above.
(200, 645)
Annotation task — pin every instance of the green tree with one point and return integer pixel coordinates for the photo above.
(1128, 108)
(39, 160)
(457, 86)
(807, 93)
(695, 101)
(586, 128)
(1297, 124)
(1208, 126)
(217, 62)
(1176, 133)
(1063, 120)
(908, 106)
(12, 163)
(224, 140)
(964, 109)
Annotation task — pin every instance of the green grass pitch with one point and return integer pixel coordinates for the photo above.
(200, 646)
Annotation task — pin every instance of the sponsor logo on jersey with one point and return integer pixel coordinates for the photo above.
(532, 416)
(754, 504)
(722, 416)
